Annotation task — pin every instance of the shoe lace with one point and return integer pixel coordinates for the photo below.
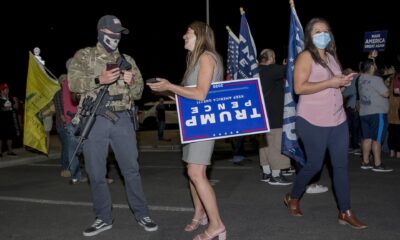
(147, 220)
(97, 222)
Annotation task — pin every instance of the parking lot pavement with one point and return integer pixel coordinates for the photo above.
(147, 142)
(37, 204)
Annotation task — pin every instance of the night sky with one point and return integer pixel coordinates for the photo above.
(156, 30)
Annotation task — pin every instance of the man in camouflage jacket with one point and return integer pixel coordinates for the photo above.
(87, 75)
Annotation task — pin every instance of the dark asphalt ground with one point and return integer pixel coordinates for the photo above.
(37, 204)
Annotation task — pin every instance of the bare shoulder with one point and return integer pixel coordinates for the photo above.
(304, 59)
(304, 56)
(207, 58)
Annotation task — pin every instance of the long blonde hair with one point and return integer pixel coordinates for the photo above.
(205, 41)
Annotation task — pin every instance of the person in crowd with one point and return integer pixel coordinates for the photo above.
(60, 127)
(394, 116)
(103, 69)
(374, 106)
(204, 66)
(160, 108)
(69, 102)
(351, 101)
(47, 117)
(9, 128)
(321, 119)
(272, 160)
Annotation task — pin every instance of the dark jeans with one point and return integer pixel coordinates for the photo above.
(122, 138)
(63, 135)
(76, 171)
(353, 119)
(238, 149)
(316, 141)
(161, 127)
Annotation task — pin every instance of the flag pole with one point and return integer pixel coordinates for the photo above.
(241, 11)
(208, 12)
(291, 2)
(228, 28)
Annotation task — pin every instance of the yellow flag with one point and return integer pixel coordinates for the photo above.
(40, 90)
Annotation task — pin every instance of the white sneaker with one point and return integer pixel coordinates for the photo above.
(316, 188)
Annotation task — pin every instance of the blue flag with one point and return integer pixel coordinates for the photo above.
(232, 56)
(290, 144)
(247, 51)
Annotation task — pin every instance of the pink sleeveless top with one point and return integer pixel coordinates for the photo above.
(324, 108)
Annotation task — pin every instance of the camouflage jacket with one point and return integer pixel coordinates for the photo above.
(88, 63)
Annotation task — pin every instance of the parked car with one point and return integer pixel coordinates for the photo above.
(148, 114)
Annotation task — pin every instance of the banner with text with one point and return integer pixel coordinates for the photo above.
(375, 40)
(232, 108)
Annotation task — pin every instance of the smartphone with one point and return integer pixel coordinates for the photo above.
(110, 66)
(151, 80)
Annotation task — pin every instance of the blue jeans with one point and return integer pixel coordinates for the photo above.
(353, 119)
(76, 172)
(238, 149)
(63, 135)
(316, 141)
(161, 127)
(122, 138)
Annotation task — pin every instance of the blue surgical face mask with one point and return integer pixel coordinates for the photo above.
(321, 40)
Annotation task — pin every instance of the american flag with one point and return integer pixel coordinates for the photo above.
(232, 56)
(290, 144)
(247, 51)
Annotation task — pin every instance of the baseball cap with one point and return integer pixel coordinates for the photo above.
(112, 23)
(3, 86)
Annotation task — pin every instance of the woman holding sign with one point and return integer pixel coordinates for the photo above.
(204, 66)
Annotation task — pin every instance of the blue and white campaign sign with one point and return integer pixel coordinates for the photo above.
(375, 40)
(232, 108)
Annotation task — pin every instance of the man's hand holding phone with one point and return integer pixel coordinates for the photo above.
(109, 74)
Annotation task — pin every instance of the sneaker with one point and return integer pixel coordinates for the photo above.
(288, 171)
(357, 152)
(265, 177)
(110, 180)
(74, 181)
(366, 166)
(381, 168)
(148, 224)
(97, 227)
(279, 180)
(316, 188)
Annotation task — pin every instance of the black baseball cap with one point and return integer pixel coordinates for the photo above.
(112, 23)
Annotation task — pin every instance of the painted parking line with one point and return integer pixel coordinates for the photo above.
(89, 204)
(156, 166)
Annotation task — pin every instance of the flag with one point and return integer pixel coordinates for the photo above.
(232, 56)
(247, 66)
(40, 90)
(290, 144)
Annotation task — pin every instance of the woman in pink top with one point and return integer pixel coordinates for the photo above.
(321, 121)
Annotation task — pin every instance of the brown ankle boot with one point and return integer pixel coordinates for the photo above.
(349, 218)
(293, 205)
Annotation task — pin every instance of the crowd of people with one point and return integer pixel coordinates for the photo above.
(339, 112)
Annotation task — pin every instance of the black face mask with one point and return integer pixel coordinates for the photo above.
(109, 41)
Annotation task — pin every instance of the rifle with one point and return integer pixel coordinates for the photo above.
(87, 108)
(87, 122)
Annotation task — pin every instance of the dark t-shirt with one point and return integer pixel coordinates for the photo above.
(272, 82)
(160, 112)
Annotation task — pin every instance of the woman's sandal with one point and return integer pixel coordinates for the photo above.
(220, 233)
(196, 222)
